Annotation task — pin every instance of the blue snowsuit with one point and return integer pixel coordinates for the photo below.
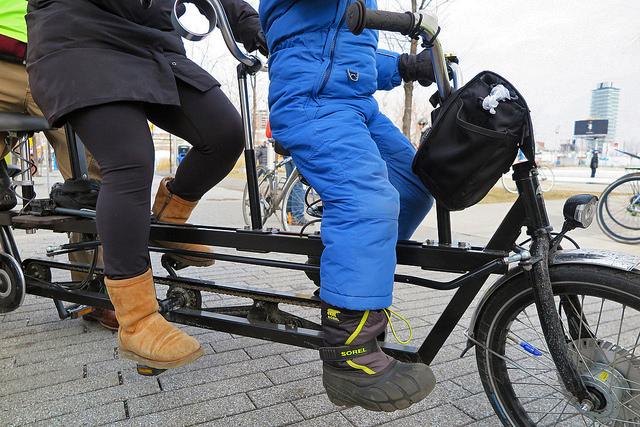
(323, 111)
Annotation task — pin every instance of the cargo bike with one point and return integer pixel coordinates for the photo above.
(555, 336)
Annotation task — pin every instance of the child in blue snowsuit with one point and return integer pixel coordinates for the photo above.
(322, 110)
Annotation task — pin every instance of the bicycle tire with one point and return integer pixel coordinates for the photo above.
(604, 212)
(509, 184)
(501, 368)
(295, 179)
(547, 178)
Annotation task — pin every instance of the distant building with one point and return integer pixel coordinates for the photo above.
(605, 100)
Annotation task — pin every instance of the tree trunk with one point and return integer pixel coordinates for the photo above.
(407, 114)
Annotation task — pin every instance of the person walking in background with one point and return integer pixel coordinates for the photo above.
(423, 125)
(594, 163)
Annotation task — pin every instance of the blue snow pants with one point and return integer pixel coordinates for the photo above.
(360, 164)
(323, 111)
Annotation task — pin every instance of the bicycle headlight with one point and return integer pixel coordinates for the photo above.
(579, 210)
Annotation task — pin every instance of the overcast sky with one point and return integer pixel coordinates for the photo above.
(553, 51)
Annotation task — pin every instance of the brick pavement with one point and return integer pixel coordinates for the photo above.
(56, 372)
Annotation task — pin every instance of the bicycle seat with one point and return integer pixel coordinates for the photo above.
(16, 122)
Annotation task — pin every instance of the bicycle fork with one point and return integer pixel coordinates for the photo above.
(537, 270)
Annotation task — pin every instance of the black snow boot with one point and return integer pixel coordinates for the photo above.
(356, 372)
(8, 198)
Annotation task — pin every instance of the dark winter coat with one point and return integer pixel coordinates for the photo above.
(594, 162)
(91, 52)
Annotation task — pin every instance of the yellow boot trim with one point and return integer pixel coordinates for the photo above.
(353, 336)
(361, 367)
(355, 333)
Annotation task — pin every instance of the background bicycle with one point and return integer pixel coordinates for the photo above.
(284, 194)
(545, 176)
(619, 208)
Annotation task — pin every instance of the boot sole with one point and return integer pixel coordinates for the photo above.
(162, 365)
(344, 392)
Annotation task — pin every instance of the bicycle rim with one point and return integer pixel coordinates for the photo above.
(522, 381)
(509, 184)
(547, 179)
(619, 210)
(295, 215)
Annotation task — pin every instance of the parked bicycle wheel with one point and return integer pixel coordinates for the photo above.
(546, 178)
(301, 206)
(619, 210)
(266, 182)
(515, 365)
(509, 184)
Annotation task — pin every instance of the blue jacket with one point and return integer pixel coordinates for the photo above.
(314, 56)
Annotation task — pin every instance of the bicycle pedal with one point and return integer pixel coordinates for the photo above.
(147, 371)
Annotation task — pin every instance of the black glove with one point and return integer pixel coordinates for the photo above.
(259, 42)
(416, 67)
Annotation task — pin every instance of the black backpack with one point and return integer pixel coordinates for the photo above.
(468, 149)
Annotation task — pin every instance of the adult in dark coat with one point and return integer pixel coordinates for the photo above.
(594, 164)
(108, 67)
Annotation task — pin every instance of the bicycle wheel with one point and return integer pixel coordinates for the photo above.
(300, 206)
(619, 210)
(516, 369)
(509, 184)
(265, 186)
(546, 178)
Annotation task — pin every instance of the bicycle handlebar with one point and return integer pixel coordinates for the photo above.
(214, 12)
(420, 24)
(359, 18)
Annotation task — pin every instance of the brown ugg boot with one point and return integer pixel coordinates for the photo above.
(175, 210)
(144, 335)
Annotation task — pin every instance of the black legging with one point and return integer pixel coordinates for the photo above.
(118, 136)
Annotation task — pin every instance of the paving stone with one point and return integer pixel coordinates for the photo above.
(190, 379)
(46, 378)
(287, 392)
(235, 343)
(476, 406)
(105, 414)
(446, 416)
(53, 392)
(444, 393)
(315, 406)
(48, 335)
(57, 342)
(301, 356)
(10, 331)
(105, 347)
(278, 415)
(268, 349)
(470, 383)
(195, 394)
(330, 420)
(197, 413)
(292, 373)
(7, 362)
(80, 402)
(492, 421)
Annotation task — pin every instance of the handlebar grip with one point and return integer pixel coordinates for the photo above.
(359, 18)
